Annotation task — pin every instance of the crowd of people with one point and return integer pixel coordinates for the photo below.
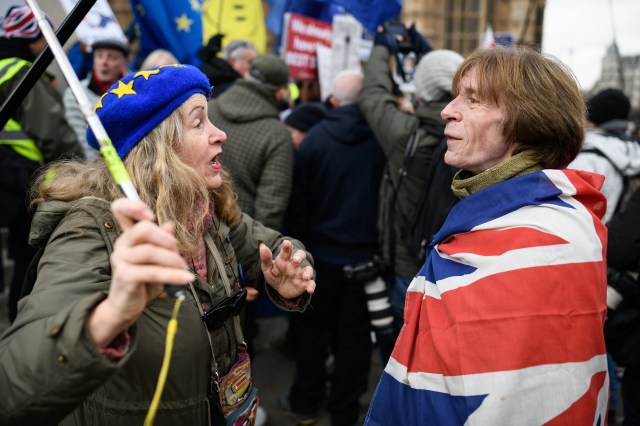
(501, 307)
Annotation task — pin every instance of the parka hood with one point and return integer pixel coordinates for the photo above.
(49, 214)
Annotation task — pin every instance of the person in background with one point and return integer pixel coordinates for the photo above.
(302, 118)
(608, 148)
(259, 153)
(330, 213)
(37, 133)
(393, 128)
(504, 322)
(79, 55)
(158, 58)
(98, 314)
(623, 254)
(110, 64)
(233, 64)
(259, 150)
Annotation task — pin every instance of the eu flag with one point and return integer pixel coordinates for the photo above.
(175, 25)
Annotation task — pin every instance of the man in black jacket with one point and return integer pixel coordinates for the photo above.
(337, 174)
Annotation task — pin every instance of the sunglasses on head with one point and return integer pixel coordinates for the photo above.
(220, 312)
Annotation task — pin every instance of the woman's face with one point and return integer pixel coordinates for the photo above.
(202, 142)
(474, 139)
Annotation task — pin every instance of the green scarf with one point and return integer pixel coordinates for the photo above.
(518, 165)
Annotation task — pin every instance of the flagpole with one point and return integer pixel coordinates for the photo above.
(106, 148)
(109, 153)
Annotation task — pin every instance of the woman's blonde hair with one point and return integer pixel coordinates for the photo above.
(171, 188)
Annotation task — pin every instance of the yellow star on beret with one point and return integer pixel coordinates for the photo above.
(146, 74)
(124, 89)
(99, 103)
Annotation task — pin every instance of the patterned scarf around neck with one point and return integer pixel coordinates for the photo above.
(199, 261)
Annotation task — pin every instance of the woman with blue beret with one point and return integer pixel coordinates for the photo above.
(89, 340)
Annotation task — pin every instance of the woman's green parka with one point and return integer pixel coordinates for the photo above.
(50, 370)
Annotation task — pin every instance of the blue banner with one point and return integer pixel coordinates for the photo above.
(370, 13)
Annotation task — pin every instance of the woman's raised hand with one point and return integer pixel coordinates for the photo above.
(284, 273)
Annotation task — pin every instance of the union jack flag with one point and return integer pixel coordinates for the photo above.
(503, 324)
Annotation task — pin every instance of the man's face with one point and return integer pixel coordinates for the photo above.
(474, 136)
(242, 63)
(109, 64)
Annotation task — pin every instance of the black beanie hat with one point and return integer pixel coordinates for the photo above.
(607, 105)
(305, 116)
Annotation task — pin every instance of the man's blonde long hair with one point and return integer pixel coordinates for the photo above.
(172, 189)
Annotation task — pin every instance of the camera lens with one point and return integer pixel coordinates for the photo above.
(378, 303)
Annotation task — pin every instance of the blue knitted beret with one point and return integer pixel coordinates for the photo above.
(136, 104)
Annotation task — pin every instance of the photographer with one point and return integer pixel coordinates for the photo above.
(393, 129)
(622, 328)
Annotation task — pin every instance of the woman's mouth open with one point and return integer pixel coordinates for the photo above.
(215, 164)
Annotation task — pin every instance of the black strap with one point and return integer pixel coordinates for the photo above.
(625, 180)
(409, 152)
(596, 151)
(434, 204)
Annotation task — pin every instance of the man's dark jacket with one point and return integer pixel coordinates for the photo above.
(337, 173)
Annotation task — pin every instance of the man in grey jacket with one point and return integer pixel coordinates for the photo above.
(259, 149)
(393, 127)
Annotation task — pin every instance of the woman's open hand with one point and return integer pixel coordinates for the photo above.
(284, 273)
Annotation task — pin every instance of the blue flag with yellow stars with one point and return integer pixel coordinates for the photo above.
(174, 25)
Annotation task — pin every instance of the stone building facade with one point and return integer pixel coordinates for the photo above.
(620, 72)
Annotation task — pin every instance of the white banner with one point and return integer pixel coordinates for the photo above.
(345, 43)
(99, 24)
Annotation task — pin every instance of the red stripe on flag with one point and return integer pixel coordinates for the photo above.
(585, 183)
(507, 321)
(582, 411)
(502, 241)
(588, 190)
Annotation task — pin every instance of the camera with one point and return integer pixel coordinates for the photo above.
(406, 57)
(368, 274)
(396, 28)
(363, 272)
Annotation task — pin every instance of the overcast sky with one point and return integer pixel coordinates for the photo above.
(578, 32)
